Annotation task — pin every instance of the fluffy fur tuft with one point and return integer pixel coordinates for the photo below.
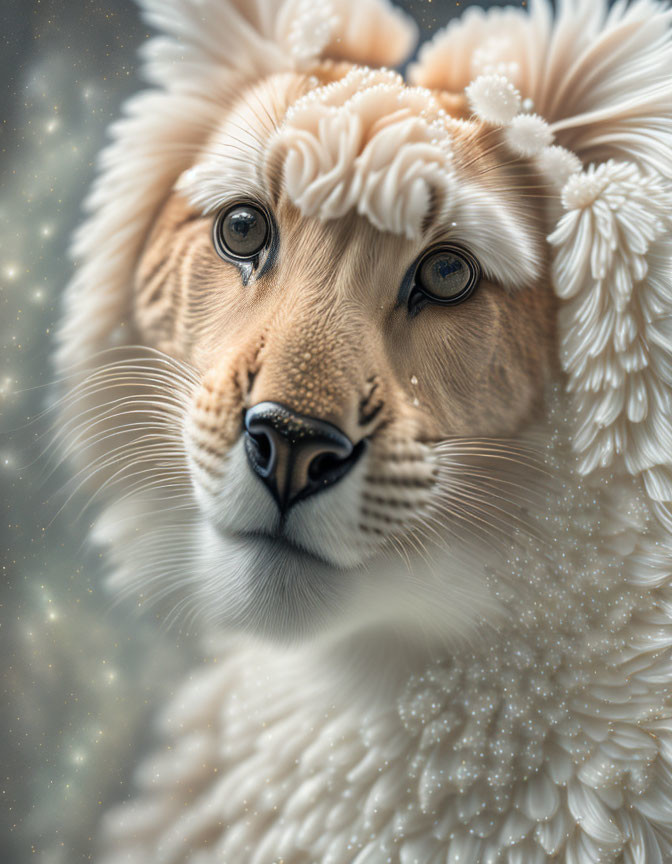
(528, 135)
(558, 165)
(494, 99)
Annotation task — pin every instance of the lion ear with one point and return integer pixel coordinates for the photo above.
(254, 38)
(597, 73)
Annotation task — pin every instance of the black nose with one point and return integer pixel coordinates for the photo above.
(295, 455)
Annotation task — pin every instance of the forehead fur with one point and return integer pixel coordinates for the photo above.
(368, 144)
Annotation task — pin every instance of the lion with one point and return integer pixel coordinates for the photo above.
(372, 376)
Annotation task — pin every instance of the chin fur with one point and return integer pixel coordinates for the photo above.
(267, 588)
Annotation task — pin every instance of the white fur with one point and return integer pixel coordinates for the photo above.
(558, 164)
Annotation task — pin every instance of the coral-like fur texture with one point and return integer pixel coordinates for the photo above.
(484, 700)
(379, 136)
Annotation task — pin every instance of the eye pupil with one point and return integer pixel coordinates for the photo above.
(241, 232)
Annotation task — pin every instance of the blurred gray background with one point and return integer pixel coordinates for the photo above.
(80, 676)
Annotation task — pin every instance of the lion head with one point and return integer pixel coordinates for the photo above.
(315, 321)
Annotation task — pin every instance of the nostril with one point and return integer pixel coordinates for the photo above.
(323, 464)
(263, 447)
(260, 450)
(329, 466)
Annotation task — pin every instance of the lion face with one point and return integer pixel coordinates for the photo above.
(365, 311)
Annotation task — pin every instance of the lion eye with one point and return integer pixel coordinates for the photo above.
(445, 276)
(241, 232)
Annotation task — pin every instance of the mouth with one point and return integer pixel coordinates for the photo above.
(278, 542)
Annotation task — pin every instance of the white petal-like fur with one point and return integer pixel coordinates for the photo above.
(274, 753)
(613, 269)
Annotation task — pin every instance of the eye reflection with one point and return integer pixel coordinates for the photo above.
(446, 275)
